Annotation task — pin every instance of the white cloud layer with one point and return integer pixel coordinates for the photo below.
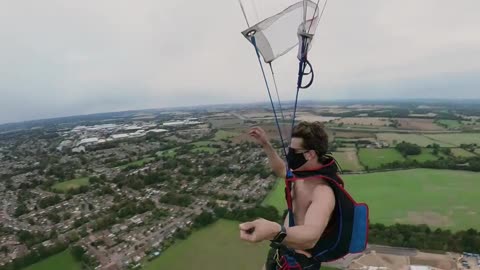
(73, 57)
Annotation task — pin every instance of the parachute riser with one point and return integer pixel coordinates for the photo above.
(254, 43)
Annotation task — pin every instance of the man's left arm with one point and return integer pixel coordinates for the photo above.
(300, 237)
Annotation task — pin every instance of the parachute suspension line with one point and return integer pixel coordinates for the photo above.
(269, 95)
(243, 11)
(301, 72)
(255, 10)
(315, 12)
(276, 90)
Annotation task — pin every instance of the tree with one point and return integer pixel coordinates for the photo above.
(77, 252)
(408, 149)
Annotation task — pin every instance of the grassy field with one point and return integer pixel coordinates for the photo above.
(348, 160)
(215, 247)
(222, 134)
(421, 140)
(204, 143)
(373, 158)
(276, 197)
(456, 138)
(171, 153)
(439, 198)
(426, 155)
(70, 184)
(459, 152)
(61, 261)
(206, 149)
(450, 124)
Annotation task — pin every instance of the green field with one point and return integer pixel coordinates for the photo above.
(222, 134)
(450, 124)
(439, 198)
(216, 247)
(459, 152)
(456, 138)
(70, 184)
(204, 143)
(373, 158)
(276, 197)
(425, 155)
(348, 160)
(421, 140)
(61, 261)
(171, 153)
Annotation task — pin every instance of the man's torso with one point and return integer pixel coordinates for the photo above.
(302, 196)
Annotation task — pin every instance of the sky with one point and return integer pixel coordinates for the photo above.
(61, 58)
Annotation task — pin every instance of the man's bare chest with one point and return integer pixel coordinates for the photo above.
(302, 198)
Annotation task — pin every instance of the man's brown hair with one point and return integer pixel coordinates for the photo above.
(314, 137)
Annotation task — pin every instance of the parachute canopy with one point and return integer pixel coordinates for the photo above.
(278, 34)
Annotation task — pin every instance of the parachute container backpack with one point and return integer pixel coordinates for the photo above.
(273, 37)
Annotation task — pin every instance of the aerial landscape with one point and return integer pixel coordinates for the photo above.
(240, 135)
(141, 189)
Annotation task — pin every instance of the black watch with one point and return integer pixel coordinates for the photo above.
(281, 235)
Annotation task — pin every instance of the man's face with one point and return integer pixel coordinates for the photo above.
(297, 146)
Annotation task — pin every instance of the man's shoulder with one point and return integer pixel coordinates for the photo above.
(322, 190)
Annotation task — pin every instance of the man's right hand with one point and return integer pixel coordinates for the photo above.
(259, 135)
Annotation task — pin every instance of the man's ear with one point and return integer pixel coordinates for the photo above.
(311, 154)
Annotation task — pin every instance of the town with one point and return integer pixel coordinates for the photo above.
(121, 191)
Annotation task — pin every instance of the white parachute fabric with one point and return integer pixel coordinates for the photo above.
(280, 33)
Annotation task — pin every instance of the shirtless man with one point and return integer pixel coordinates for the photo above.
(313, 200)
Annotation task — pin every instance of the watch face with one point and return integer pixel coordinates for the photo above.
(280, 237)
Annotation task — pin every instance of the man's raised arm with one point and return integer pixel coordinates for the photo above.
(276, 163)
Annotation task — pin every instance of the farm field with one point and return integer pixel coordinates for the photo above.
(418, 124)
(226, 122)
(61, 261)
(310, 117)
(425, 155)
(439, 198)
(276, 197)
(224, 250)
(450, 124)
(456, 138)
(222, 238)
(354, 135)
(348, 160)
(459, 152)
(373, 158)
(364, 121)
(421, 140)
(71, 184)
(222, 134)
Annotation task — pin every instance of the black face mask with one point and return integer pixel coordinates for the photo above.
(295, 160)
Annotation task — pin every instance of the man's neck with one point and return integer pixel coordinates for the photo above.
(313, 166)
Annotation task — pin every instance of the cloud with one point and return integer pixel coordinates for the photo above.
(64, 58)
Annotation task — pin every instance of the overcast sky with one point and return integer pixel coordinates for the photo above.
(60, 58)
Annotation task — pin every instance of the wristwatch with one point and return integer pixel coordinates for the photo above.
(281, 235)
